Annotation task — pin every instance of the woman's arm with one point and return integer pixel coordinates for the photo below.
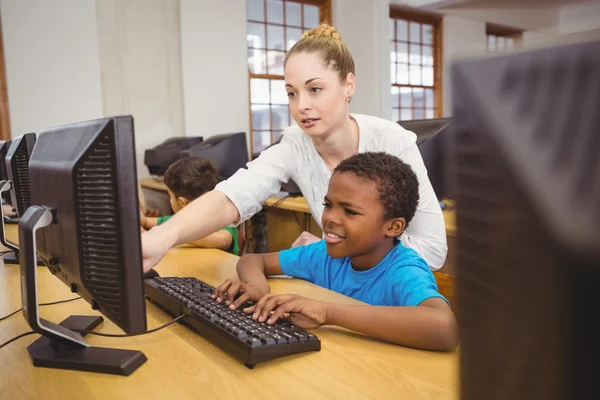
(218, 240)
(198, 219)
(233, 200)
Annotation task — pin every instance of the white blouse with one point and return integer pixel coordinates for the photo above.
(296, 158)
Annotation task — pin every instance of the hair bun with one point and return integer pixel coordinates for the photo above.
(324, 30)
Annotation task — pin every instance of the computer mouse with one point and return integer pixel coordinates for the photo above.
(151, 274)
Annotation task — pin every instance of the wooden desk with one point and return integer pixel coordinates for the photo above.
(182, 365)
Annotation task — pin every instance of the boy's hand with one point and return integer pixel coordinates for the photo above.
(303, 312)
(143, 220)
(228, 289)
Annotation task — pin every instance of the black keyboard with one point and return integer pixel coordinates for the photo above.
(232, 330)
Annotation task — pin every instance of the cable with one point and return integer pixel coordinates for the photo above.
(60, 301)
(136, 334)
(41, 304)
(16, 337)
(100, 334)
(10, 315)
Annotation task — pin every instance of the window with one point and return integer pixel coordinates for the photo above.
(501, 39)
(415, 65)
(274, 26)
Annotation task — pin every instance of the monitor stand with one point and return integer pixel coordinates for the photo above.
(62, 346)
(12, 257)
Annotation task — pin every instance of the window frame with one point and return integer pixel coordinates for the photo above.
(324, 16)
(423, 17)
(499, 31)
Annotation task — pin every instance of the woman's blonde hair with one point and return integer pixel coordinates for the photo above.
(327, 42)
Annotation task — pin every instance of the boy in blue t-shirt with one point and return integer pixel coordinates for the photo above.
(186, 180)
(371, 199)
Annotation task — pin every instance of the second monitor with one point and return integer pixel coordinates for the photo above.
(229, 152)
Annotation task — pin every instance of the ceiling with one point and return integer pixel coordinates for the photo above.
(441, 4)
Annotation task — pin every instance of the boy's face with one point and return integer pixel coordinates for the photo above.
(353, 221)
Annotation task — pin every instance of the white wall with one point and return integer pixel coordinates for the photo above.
(364, 26)
(140, 59)
(215, 67)
(52, 67)
(462, 38)
(540, 17)
(580, 17)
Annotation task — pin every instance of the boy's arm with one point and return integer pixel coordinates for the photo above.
(252, 270)
(148, 222)
(430, 325)
(218, 240)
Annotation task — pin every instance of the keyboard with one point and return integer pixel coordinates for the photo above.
(231, 330)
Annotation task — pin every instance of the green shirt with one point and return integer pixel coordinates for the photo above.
(233, 248)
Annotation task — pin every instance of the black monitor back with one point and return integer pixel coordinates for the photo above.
(87, 172)
(426, 129)
(16, 163)
(159, 158)
(4, 146)
(228, 151)
(435, 142)
(528, 218)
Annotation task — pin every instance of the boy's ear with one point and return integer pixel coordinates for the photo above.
(183, 201)
(395, 227)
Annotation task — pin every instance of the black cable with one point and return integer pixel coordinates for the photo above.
(41, 304)
(16, 337)
(101, 334)
(10, 315)
(136, 334)
(60, 301)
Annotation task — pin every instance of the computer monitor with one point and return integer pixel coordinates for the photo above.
(434, 139)
(528, 218)
(159, 158)
(85, 224)
(426, 129)
(4, 145)
(16, 163)
(229, 152)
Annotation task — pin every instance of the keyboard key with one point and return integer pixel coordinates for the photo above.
(290, 338)
(312, 338)
(301, 338)
(254, 342)
(267, 340)
(279, 339)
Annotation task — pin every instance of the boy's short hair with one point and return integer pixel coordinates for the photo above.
(397, 184)
(191, 177)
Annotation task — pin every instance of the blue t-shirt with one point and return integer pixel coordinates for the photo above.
(402, 278)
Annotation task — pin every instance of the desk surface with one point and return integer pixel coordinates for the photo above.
(181, 364)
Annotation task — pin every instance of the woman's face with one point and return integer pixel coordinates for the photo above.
(318, 100)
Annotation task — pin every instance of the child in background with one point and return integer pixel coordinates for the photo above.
(186, 180)
(371, 199)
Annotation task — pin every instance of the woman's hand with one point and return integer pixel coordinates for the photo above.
(305, 238)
